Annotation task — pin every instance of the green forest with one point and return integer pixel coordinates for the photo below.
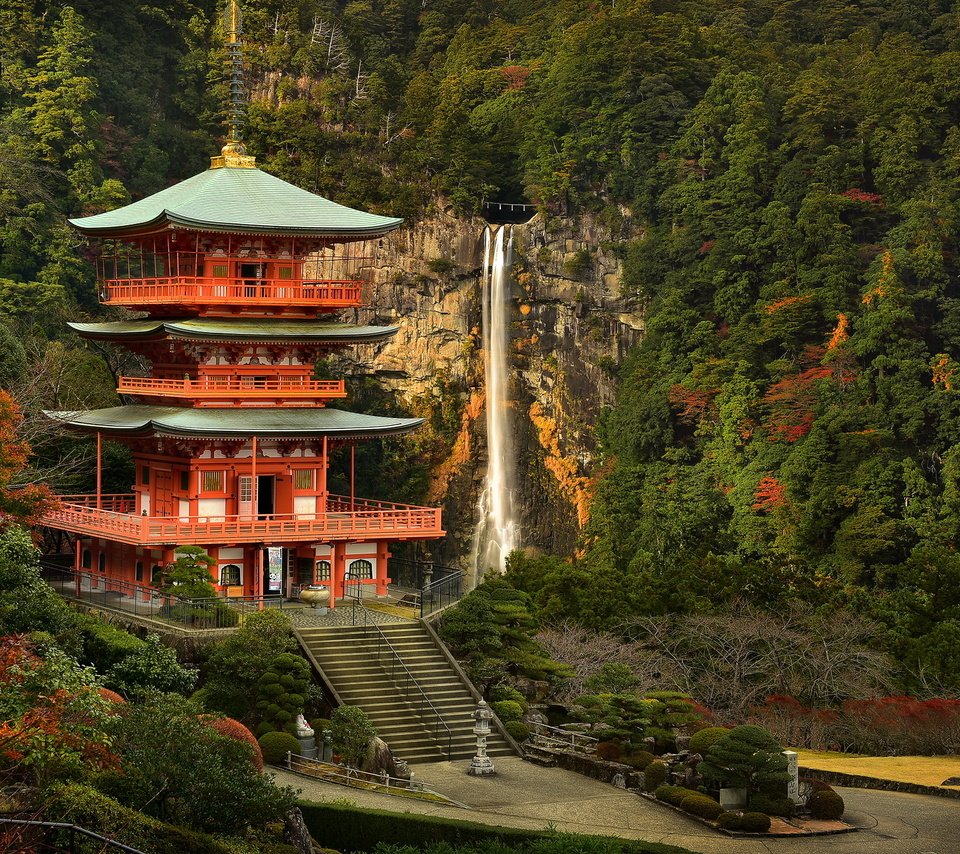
(786, 178)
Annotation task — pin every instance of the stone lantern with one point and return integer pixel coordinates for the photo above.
(481, 764)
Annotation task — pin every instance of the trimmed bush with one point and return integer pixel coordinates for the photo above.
(825, 805)
(344, 827)
(639, 760)
(507, 710)
(673, 795)
(748, 822)
(264, 727)
(503, 691)
(281, 691)
(702, 741)
(772, 806)
(609, 751)
(518, 730)
(654, 775)
(105, 645)
(234, 729)
(701, 805)
(318, 725)
(276, 745)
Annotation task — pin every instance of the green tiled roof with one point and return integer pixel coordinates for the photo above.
(276, 422)
(210, 328)
(241, 200)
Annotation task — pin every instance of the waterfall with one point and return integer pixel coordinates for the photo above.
(496, 532)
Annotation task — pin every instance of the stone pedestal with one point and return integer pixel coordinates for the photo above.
(733, 799)
(481, 765)
(308, 746)
(793, 784)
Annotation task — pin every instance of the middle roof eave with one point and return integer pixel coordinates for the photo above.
(212, 328)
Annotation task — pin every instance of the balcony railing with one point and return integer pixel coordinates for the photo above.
(343, 519)
(254, 390)
(199, 290)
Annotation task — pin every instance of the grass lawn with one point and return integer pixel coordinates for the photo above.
(925, 770)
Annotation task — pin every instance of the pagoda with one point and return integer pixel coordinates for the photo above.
(238, 278)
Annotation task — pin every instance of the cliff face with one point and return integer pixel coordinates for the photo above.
(571, 330)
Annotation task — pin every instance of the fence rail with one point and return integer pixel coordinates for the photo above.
(141, 600)
(231, 291)
(230, 387)
(565, 739)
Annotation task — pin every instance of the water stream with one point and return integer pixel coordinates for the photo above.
(496, 534)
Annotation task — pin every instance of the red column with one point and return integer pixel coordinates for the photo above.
(382, 580)
(99, 468)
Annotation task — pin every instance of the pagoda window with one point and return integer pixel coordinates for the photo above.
(230, 575)
(102, 562)
(145, 476)
(360, 569)
(184, 481)
(86, 559)
(323, 570)
(220, 271)
(303, 479)
(212, 481)
(304, 571)
(138, 571)
(245, 491)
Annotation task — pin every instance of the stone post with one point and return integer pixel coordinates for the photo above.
(481, 764)
(793, 784)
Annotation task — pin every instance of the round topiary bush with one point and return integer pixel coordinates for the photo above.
(639, 760)
(518, 730)
(702, 806)
(772, 806)
(234, 729)
(318, 725)
(503, 691)
(654, 775)
(825, 805)
(507, 710)
(276, 745)
(609, 751)
(754, 822)
(264, 727)
(703, 740)
(673, 795)
(728, 820)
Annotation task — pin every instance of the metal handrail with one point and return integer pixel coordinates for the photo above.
(577, 741)
(382, 639)
(73, 829)
(435, 590)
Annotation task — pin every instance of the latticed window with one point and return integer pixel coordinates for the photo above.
(220, 271)
(285, 273)
(360, 569)
(303, 479)
(212, 481)
(245, 491)
(323, 570)
(229, 575)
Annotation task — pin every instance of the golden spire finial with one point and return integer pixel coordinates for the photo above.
(234, 153)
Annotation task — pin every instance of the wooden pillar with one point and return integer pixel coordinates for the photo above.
(99, 469)
(78, 561)
(353, 473)
(257, 582)
(323, 477)
(336, 572)
(382, 579)
(254, 502)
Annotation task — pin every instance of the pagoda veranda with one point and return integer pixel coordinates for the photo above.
(239, 275)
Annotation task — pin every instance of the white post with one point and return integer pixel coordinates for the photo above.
(793, 784)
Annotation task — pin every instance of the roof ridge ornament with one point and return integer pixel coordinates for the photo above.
(234, 153)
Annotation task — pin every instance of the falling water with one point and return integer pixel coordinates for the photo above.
(496, 533)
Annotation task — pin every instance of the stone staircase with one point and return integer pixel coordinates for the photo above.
(347, 656)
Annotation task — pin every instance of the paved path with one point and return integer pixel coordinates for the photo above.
(527, 796)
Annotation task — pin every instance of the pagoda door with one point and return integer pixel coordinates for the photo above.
(164, 495)
(245, 496)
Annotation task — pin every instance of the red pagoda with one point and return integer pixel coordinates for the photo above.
(240, 276)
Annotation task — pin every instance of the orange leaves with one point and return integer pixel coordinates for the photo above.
(770, 494)
(515, 75)
(787, 302)
(24, 505)
(689, 404)
(885, 280)
(840, 333)
(943, 368)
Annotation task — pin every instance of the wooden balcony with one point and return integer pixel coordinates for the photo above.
(249, 391)
(115, 519)
(200, 292)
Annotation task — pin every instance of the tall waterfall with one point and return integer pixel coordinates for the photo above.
(496, 531)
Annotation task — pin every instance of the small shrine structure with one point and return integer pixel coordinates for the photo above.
(238, 277)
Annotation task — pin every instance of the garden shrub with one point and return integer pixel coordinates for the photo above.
(275, 746)
(703, 740)
(152, 667)
(701, 805)
(654, 775)
(234, 729)
(264, 727)
(318, 725)
(112, 696)
(772, 805)
(351, 732)
(518, 730)
(825, 805)
(748, 822)
(507, 710)
(282, 691)
(609, 751)
(673, 794)
(503, 691)
(747, 756)
(105, 645)
(639, 760)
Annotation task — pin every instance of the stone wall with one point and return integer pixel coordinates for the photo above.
(571, 331)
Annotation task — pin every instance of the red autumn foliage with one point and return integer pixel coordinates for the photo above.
(791, 401)
(234, 729)
(858, 195)
(516, 76)
(706, 246)
(770, 494)
(25, 505)
(787, 302)
(112, 696)
(689, 404)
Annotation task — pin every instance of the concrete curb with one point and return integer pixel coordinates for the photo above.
(859, 781)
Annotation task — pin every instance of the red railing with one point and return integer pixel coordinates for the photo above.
(203, 290)
(231, 387)
(80, 514)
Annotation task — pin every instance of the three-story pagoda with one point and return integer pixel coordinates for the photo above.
(240, 275)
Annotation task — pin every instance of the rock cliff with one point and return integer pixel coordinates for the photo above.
(571, 330)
